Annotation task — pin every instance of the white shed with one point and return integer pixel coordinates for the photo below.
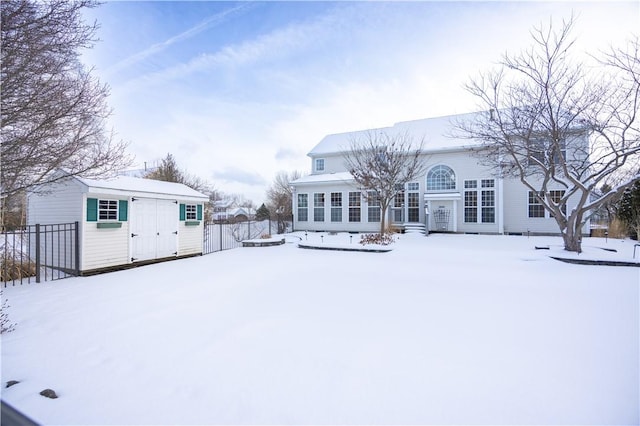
(123, 221)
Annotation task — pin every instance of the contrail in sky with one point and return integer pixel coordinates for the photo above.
(158, 47)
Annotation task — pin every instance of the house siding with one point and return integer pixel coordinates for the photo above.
(510, 196)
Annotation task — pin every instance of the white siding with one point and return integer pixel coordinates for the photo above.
(101, 248)
(61, 204)
(190, 239)
(333, 163)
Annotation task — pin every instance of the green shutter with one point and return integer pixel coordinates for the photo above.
(199, 212)
(122, 210)
(92, 209)
(183, 212)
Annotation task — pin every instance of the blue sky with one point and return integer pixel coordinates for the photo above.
(237, 91)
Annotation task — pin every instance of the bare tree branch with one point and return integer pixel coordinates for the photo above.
(383, 163)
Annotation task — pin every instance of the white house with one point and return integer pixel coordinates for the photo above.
(123, 221)
(228, 210)
(456, 194)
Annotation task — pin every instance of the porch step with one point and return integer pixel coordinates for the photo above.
(414, 228)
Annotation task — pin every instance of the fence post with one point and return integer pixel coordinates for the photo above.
(77, 249)
(249, 230)
(37, 252)
(220, 226)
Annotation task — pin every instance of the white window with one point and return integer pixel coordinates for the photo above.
(354, 206)
(107, 209)
(536, 208)
(336, 207)
(303, 204)
(191, 212)
(541, 150)
(373, 211)
(441, 178)
(413, 186)
(485, 211)
(318, 207)
(319, 164)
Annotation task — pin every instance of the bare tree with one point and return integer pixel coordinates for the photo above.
(169, 171)
(53, 109)
(382, 164)
(561, 127)
(279, 197)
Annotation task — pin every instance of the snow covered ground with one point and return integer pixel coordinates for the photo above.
(447, 329)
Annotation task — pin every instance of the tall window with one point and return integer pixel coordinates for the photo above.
(319, 164)
(108, 209)
(303, 204)
(354, 206)
(373, 211)
(318, 207)
(486, 209)
(413, 206)
(536, 209)
(488, 201)
(441, 178)
(398, 205)
(471, 201)
(336, 207)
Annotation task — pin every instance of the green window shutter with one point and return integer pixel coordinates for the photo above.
(183, 212)
(92, 209)
(199, 212)
(123, 210)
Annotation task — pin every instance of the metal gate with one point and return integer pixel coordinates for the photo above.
(39, 252)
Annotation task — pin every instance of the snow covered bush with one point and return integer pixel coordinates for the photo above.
(6, 325)
(382, 239)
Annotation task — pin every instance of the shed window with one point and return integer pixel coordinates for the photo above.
(191, 212)
(107, 209)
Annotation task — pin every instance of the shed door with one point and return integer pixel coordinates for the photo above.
(154, 225)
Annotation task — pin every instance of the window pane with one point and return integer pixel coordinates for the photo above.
(441, 178)
(107, 209)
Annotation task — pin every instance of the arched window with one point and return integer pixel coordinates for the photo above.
(441, 178)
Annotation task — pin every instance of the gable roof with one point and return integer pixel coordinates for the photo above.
(435, 132)
(139, 186)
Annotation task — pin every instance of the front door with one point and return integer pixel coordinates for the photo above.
(442, 216)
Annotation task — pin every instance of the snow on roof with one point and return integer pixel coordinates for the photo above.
(435, 131)
(141, 185)
(325, 177)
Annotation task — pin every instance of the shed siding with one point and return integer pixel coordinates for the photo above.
(190, 239)
(103, 248)
(61, 204)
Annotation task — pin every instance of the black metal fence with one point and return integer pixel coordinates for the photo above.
(225, 236)
(39, 252)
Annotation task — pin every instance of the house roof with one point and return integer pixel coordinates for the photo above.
(325, 178)
(435, 131)
(140, 186)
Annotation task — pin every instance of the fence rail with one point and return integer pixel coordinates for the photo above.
(225, 236)
(39, 252)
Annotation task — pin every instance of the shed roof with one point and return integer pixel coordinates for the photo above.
(140, 186)
(435, 131)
